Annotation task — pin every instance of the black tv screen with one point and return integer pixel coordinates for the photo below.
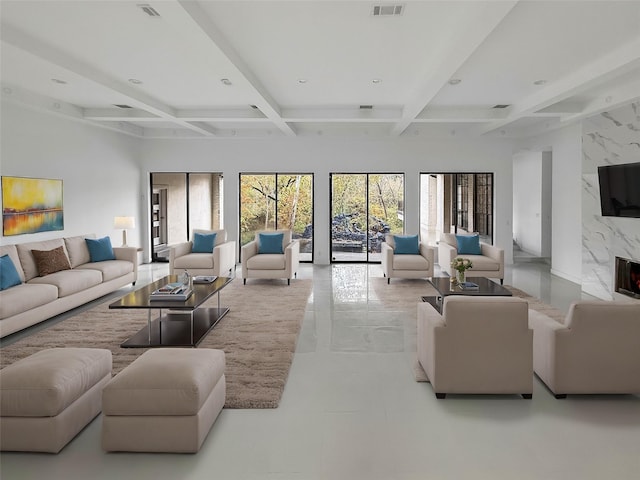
(620, 190)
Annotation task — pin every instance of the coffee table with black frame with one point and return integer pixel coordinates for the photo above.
(444, 286)
(184, 324)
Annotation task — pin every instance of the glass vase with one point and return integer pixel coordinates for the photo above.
(460, 276)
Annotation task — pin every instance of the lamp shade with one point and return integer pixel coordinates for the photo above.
(124, 222)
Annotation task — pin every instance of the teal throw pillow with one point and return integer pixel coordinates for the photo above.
(270, 242)
(468, 245)
(9, 276)
(100, 249)
(203, 242)
(406, 245)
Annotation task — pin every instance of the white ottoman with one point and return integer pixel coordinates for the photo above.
(165, 401)
(48, 398)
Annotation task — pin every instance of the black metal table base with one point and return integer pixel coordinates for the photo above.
(175, 329)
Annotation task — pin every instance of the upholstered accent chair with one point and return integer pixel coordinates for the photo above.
(207, 253)
(478, 345)
(595, 350)
(272, 254)
(401, 262)
(488, 260)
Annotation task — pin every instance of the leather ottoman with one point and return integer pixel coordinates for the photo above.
(165, 401)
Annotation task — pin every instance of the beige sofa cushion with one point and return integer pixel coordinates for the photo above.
(78, 250)
(70, 281)
(26, 257)
(164, 381)
(266, 261)
(410, 262)
(480, 262)
(24, 297)
(194, 260)
(48, 381)
(12, 251)
(449, 238)
(110, 269)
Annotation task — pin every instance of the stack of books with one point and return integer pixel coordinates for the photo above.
(172, 291)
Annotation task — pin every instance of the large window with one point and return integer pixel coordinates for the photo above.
(364, 208)
(270, 201)
(456, 203)
(181, 202)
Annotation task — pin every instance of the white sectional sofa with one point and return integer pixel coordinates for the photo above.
(38, 298)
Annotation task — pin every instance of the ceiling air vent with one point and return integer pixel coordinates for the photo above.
(366, 107)
(387, 10)
(148, 9)
(122, 105)
(501, 106)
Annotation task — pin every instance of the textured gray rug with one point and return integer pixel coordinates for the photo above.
(258, 336)
(404, 294)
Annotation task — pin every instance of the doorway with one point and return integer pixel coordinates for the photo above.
(181, 202)
(364, 208)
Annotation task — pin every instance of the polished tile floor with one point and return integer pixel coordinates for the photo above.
(352, 410)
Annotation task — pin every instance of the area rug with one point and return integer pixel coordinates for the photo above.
(404, 294)
(258, 336)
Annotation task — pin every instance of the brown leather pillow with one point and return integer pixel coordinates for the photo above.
(51, 261)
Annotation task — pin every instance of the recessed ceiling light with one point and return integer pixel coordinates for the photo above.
(58, 81)
(302, 80)
(225, 81)
(135, 81)
(376, 80)
(454, 81)
(539, 82)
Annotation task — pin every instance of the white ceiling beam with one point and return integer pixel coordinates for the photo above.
(623, 60)
(266, 103)
(615, 98)
(341, 115)
(47, 52)
(221, 114)
(120, 115)
(459, 115)
(42, 103)
(477, 28)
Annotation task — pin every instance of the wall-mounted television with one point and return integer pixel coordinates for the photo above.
(620, 190)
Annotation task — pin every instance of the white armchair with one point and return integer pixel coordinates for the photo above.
(595, 350)
(220, 262)
(271, 265)
(489, 263)
(406, 265)
(478, 345)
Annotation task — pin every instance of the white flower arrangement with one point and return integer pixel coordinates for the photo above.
(461, 264)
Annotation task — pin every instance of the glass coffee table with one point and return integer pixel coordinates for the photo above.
(486, 288)
(178, 323)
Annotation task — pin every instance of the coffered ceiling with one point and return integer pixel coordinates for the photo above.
(246, 69)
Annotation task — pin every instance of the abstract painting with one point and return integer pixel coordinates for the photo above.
(31, 205)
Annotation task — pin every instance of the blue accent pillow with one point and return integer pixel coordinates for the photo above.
(270, 242)
(468, 245)
(100, 249)
(9, 276)
(406, 245)
(203, 242)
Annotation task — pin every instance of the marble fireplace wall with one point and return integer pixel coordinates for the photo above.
(610, 138)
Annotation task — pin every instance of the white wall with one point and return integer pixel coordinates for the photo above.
(321, 156)
(99, 170)
(527, 201)
(565, 146)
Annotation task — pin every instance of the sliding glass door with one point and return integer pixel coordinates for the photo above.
(278, 201)
(364, 208)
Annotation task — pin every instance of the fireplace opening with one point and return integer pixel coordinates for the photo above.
(628, 277)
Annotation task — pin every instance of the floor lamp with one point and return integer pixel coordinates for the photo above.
(124, 223)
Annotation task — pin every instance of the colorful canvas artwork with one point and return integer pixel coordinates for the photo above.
(31, 205)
